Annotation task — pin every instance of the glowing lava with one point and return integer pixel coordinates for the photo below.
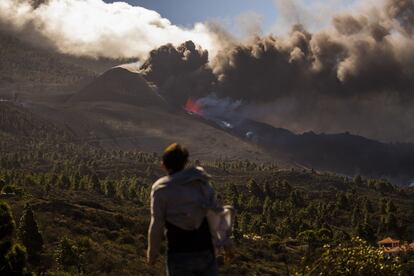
(192, 106)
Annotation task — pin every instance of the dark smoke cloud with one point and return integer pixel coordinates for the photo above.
(358, 56)
(180, 72)
(403, 12)
(357, 75)
(265, 69)
(36, 3)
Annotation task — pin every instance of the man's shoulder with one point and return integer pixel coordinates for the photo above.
(194, 174)
(160, 184)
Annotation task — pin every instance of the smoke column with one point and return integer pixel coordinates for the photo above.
(357, 74)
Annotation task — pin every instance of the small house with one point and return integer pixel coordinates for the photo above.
(389, 243)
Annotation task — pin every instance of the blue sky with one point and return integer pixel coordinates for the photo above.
(276, 15)
(188, 12)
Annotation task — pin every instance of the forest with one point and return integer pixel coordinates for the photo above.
(74, 207)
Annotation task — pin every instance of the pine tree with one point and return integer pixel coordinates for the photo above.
(67, 255)
(47, 188)
(358, 180)
(12, 255)
(391, 222)
(110, 189)
(296, 198)
(132, 192)
(7, 224)
(383, 207)
(29, 234)
(391, 207)
(76, 181)
(266, 206)
(254, 188)
(2, 183)
(342, 201)
(96, 185)
(267, 191)
(64, 182)
(368, 206)
(355, 216)
(237, 234)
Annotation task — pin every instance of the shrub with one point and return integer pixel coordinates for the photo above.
(29, 234)
(353, 258)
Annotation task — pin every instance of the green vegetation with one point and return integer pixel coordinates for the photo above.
(12, 255)
(354, 257)
(28, 233)
(88, 210)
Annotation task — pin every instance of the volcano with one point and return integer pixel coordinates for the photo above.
(120, 109)
(122, 86)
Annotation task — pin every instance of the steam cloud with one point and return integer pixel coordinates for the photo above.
(356, 75)
(95, 28)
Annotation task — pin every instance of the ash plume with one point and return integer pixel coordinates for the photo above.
(179, 72)
(355, 75)
(403, 12)
(359, 54)
(96, 29)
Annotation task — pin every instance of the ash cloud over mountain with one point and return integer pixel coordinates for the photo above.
(355, 75)
(180, 73)
(96, 29)
(359, 54)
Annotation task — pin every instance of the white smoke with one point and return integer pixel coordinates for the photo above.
(98, 29)
(222, 107)
(315, 15)
(221, 111)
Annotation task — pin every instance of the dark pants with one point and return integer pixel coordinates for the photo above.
(192, 264)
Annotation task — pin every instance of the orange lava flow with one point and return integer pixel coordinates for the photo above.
(193, 107)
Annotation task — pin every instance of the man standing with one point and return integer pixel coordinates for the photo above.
(179, 205)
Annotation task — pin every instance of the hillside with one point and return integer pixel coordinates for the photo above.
(25, 61)
(22, 63)
(97, 201)
(122, 86)
(119, 109)
(344, 153)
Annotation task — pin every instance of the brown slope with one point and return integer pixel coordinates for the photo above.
(114, 125)
(119, 85)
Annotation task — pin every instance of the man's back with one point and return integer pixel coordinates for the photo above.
(179, 205)
(183, 198)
